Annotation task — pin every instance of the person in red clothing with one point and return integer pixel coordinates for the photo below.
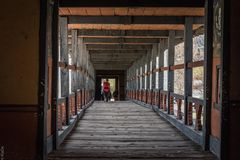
(106, 90)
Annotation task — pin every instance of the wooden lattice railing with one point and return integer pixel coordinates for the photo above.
(173, 104)
(195, 113)
(149, 96)
(61, 115)
(178, 100)
(163, 100)
(71, 104)
(78, 100)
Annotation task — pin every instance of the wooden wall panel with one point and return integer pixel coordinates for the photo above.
(19, 79)
(19, 43)
(19, 133)
(234, 79)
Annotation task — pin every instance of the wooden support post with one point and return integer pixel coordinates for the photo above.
(149, 56)
(134, 79)
(208, 50)
(138, 73)
(55, 80)
(171, 48)
(188, 49)
(154, 73)
(149, 81)
(154, 55)
(64, 58)
(73, 54)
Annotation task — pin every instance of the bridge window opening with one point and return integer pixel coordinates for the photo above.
(179, 71)
(198, 82)
(178, 86)
(165, 73)
(198, 72)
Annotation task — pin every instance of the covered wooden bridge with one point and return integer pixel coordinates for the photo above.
(171, 68)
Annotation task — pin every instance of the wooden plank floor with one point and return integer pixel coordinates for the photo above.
(124, 130)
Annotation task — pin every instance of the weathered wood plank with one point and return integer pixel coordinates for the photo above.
(123, 130)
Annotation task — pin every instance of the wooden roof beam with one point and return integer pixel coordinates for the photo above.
(127, 33)
(100, 52)
(132, 20)
(120, 40)
(117, 47)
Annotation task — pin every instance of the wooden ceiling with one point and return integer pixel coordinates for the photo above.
(131, 11)
(112, 50)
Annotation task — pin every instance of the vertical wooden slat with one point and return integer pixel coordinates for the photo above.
(179, 111)
(162, 46)
(189, 114)
(74, 54)
(171, 105)
(198, 121)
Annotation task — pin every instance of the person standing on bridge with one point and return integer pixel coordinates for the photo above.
(106, 90)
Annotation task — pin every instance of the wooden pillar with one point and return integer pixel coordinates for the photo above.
(188, 51)
(134, 77)
(80, 61)
(55, 76)
(74, 60)
(64, 58)
(171, 48)
(154, 55)
(127, 79)
(149, 59)
(208, 50)
(137, 75)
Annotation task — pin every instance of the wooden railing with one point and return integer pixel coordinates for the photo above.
(62, 114)
(149, 96)
(173, 104)
(163, 100)
(79, 100)
(156, 97)
(195, 113)
(71, 105)
(177, 100)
